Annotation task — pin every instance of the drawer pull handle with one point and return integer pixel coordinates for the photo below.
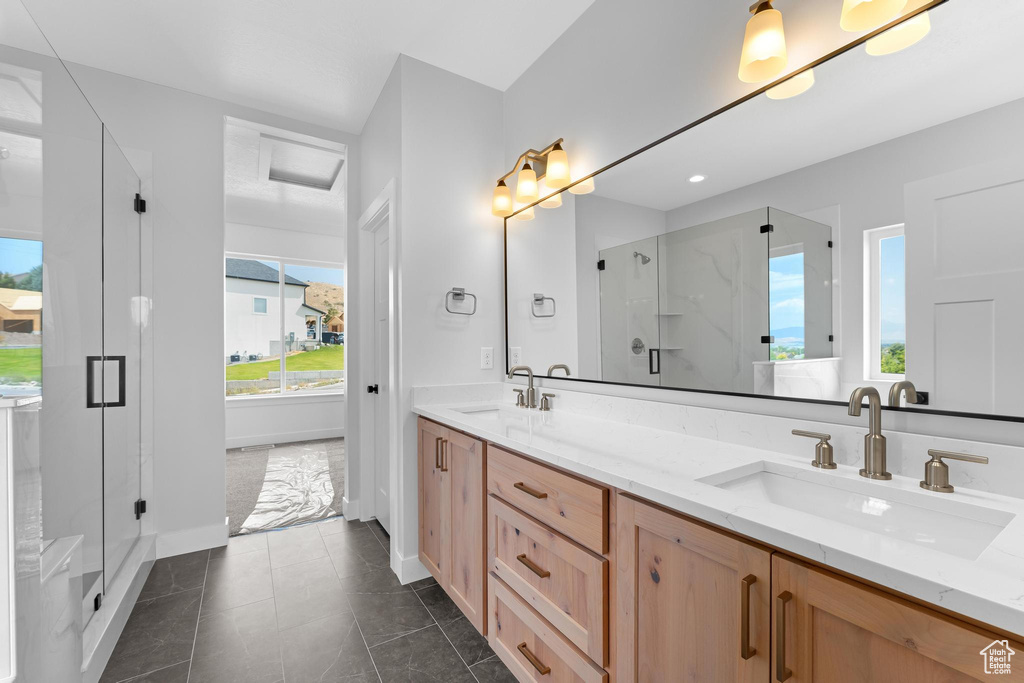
(437, 452)
(526, 489)
(532, 658)
(542, 573)
(444, 455)
(746, 652)
(781, 672)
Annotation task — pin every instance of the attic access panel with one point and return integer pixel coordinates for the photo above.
(298, 163)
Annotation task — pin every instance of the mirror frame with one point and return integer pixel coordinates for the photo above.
(693, 124)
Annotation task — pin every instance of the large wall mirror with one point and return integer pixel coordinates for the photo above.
(867, 231)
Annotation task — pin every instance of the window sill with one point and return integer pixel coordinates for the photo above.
(279, 399)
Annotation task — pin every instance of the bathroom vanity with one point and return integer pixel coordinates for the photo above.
(592, 549)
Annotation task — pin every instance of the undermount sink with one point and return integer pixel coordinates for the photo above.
(947, 526)
(499, 412)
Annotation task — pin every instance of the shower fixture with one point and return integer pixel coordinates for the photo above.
(644, 260)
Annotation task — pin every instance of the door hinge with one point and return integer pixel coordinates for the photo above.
(830, 244)
(831, 337)
(600, 264)
(97, 602)
(140, 508)
(140, 203)
(373, 389)
(767, 228)
(767, 339)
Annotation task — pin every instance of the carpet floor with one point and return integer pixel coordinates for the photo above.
(247, 469)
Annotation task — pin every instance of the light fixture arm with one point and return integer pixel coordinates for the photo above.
(532, 155)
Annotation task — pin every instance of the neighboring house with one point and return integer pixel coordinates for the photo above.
(252, 310)
(20, 310)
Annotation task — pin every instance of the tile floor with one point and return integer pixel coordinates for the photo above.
(311, 603)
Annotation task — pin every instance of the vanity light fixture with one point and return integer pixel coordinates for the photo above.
(902, 35)
(552, 202)
(541, 172)
(698, 178)
(525, 215)
(557, 175)
(526, 184)
(501, 205)
(584, 187)
(864, 15)
(791, 87)
(764, 45)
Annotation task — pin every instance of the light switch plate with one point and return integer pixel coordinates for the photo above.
(515, 355)
(486, 357)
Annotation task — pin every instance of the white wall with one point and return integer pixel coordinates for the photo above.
(185, 135)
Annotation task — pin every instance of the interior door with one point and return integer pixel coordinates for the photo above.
(381, 418)
(431, 437)
(122, 354)
(963, 249)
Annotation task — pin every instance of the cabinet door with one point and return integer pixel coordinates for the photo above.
(828, 628)
(693, 603)
(431, 437)
(462, 525)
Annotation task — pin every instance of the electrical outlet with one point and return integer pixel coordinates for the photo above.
(515, 355)
(486, 357)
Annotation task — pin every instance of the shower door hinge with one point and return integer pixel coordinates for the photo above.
(140, 508)
(600, 264)
(831, 338)
(767, 339)
(767, 228)
(97, 602)
(140, 203)
(830, 244)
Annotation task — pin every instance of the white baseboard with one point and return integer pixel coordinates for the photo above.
(191, 540)
(408, 569)
(283, 437)
(349, 508)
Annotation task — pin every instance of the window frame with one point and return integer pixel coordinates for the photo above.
(873, 301)
(266, 305)
(282, 264)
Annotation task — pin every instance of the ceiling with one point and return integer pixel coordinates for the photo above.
(320, 61)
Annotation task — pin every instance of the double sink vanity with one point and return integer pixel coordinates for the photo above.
(588, 548)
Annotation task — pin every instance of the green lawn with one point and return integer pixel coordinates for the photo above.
(324, 358)
(21, 365)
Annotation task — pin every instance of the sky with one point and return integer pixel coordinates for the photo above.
(19, 256)
(333, 276)
(786, 293)
(893, 291)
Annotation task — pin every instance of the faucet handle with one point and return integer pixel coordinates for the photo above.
(936, 472)
(823, 451)
(545, 404)
(520, 399)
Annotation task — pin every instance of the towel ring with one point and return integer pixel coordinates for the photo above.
(538, 302)
(458, 294)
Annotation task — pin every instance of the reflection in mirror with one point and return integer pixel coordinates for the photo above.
(865, 232)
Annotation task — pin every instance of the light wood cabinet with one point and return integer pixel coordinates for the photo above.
(692, 603)
(451, 507)
(829, 628)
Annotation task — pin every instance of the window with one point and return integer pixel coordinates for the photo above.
(21, 310)
(786, 303)
(283, 327)
(885, 312)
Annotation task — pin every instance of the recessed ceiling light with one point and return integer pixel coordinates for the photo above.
(697, 178)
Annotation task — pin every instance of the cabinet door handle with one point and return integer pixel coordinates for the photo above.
(444, 455)
(542, 573)
(437, 452)
(526, 489)
(532, 658)
(746, 652)
(781, 672)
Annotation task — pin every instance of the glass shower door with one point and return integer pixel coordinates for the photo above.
(122, 356)
(630, 339)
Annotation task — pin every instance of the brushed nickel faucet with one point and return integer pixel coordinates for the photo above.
(823, 451)
(936, 472)
(531, 394)
(900, 387)
(559, 366)
(874, 442)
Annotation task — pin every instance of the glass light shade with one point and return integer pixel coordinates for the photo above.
(864, 15)
(501, 204)
(552, 202)
(585, 187)
(764, 47)
(524, 215)
(526, 185)
(792, 87)
(557, 175)
(900, 37)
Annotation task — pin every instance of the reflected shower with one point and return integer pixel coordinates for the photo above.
(644, 260)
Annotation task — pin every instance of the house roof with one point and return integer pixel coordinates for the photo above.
(314, 308)
(21, 299)
(245, 269)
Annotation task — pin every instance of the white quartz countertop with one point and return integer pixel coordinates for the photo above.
(666, 467)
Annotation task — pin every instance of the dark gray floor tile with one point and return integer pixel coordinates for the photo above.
(308, 591)
(423, 583)
(327, 650)
(468, 642)
(338, 525)
(237, 579)
(423, 656)
(381, 534)
(176, 574)
(384, 608)
(241, 544)
(440, 605)
(159, 633)
(239, 645)
(492, 670)
(356, 552)
(172, 674)
(295, 545)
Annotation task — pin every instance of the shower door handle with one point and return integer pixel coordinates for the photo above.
(90, 381)
(121, 363)
(654, 361)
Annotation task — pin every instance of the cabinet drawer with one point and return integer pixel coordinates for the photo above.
(568, 505)
(529, 646)
(566, 583)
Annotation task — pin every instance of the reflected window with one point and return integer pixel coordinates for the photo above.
(786, 305)
(259, 305)
(885, 273)
(21, 317)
